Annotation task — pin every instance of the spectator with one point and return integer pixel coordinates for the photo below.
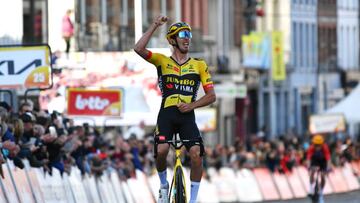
(6, 106)
(137, 130)
(262, 134)
(16, 126)
(98, 163)
(134, 149)
(272, 159)
(287, 161)
(67, 30)
(95, 152)
(8, 144)
(25, 107)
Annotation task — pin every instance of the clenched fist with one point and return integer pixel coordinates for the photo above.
(160, 20)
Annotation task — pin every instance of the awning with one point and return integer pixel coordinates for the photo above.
(349, 106)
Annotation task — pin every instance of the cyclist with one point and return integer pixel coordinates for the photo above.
(179, 77)
(318, 156)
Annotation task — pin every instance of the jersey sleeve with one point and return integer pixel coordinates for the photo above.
(205, 76)
(154, 58)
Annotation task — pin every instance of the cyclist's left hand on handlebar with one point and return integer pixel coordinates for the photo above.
(184, 107)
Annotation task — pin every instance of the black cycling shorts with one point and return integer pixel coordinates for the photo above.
(319, 162)
(171, 121)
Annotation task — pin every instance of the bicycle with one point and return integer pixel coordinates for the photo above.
(315, 198)
(178, 186)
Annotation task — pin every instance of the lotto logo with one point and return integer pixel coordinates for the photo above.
(92, 103)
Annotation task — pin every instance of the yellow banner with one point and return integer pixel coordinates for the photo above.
(277, 56)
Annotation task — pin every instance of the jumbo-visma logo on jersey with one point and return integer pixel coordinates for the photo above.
(186, 85)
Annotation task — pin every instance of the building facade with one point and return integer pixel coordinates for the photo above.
(303, 60)
(320, 49)
(114, 26)
(348, 44)
(273, 94)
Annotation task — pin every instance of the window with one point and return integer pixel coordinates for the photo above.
(306, 45)
(296, 44)
(105, 25)
(151, 9)
(314, 44)
(293, 44)
(109, 25)
(301, 45)
(35, 21)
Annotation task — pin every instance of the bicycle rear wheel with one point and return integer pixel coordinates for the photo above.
(180, 196)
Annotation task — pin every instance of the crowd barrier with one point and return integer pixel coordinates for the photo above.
(224, 185)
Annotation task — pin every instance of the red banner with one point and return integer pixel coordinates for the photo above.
(94, 102)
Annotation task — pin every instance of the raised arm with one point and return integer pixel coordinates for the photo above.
(140, 46)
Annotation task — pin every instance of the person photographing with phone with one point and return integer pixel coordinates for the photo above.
(179, 77)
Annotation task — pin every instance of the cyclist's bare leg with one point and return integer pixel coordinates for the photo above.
(196, 172)
(196, 163)
(162, 152)
(322, 180)
(312, 173)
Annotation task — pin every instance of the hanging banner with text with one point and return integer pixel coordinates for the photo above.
(25, 66)
(327, 123)
(277, 56)
(81, 102)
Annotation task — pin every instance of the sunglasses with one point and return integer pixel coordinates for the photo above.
(184, 34)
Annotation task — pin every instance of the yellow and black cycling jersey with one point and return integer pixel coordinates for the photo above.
(180, 82)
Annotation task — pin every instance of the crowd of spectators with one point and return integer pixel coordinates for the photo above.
(51, 141)
(280, 154)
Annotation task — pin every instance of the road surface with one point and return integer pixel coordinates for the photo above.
(350, 197)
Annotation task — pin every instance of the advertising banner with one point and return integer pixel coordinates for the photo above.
(230, 90)
(277, 56)
(256, 50)
(25, 66)
(104, 102)
(327, 123)
(206, 119)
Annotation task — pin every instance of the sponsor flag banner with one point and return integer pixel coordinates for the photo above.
(277, 56)
(256, 50)
(25, 67)
(83, 102)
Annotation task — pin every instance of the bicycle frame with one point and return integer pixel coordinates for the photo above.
(177, 144)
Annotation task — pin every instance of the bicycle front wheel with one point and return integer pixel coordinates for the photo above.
(180, 196)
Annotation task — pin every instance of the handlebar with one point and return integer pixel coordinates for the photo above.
(317, 169)
(175, 142)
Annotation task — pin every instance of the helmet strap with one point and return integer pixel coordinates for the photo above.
(174, 44)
